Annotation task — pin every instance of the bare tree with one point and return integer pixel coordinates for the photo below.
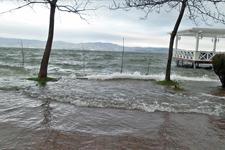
(71, 6)
(196, 10)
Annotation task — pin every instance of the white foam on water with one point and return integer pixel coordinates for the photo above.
(153, 107)
(135, 76)
(217, 111)
(204, 78)
(213, 96)
(139, 76)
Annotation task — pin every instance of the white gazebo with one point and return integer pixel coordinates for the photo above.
(197, 56)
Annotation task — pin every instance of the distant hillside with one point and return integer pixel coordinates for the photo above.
(95, 46)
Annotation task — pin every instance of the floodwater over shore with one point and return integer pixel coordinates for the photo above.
(108, 110)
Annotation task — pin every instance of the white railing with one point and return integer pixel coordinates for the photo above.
(193, 55)
(183, 54)
(205, 56)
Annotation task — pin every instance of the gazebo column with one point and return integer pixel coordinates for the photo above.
(196, 50)
(176, 44)
(197, 42)
(176, 47)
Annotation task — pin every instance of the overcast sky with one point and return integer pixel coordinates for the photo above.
(103, 26)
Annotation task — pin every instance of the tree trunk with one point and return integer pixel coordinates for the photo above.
(172, 37)
(45, 59)
(222, 80)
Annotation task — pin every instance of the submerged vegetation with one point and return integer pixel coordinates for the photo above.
(43, 81)
(171, 84)
(218, 62)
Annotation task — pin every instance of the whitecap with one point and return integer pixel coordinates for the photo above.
(139, 76)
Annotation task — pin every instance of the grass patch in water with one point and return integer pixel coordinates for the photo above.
(219, 91)
(43, 82)
(172, 84)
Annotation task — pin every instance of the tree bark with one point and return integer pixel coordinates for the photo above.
(172, 38)
(45, 59)
(222, 80)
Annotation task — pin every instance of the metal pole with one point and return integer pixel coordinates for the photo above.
(121, 71)
(148, 66)
(22, 52)
(83, 59)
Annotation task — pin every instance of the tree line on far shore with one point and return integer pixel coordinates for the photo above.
(206, 11)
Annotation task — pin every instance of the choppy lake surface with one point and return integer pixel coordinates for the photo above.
(108, 110)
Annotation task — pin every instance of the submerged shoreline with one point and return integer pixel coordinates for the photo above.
(39, 123)
(36, 118)
(132, 130)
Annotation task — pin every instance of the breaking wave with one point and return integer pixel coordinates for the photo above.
(139, 76)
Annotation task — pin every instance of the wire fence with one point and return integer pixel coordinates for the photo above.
(83, 61)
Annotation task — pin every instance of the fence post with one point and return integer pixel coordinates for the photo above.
(148, 66)
(121, 71)
(22, 53)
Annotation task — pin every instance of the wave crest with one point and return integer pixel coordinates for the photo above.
(139, 76)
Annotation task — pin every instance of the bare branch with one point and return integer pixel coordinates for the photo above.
(197, 10)
(22, 6)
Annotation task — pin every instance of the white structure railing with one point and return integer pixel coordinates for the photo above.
(204, 56)
(196, 56)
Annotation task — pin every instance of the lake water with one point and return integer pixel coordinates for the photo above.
(107, 109)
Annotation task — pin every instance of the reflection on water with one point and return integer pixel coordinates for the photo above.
(48, 139)
(46, 114)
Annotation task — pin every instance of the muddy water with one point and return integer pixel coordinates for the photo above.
(45, 118)
(107, 110)
(56, 126)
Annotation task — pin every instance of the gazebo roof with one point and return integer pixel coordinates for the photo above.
(205, 32)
